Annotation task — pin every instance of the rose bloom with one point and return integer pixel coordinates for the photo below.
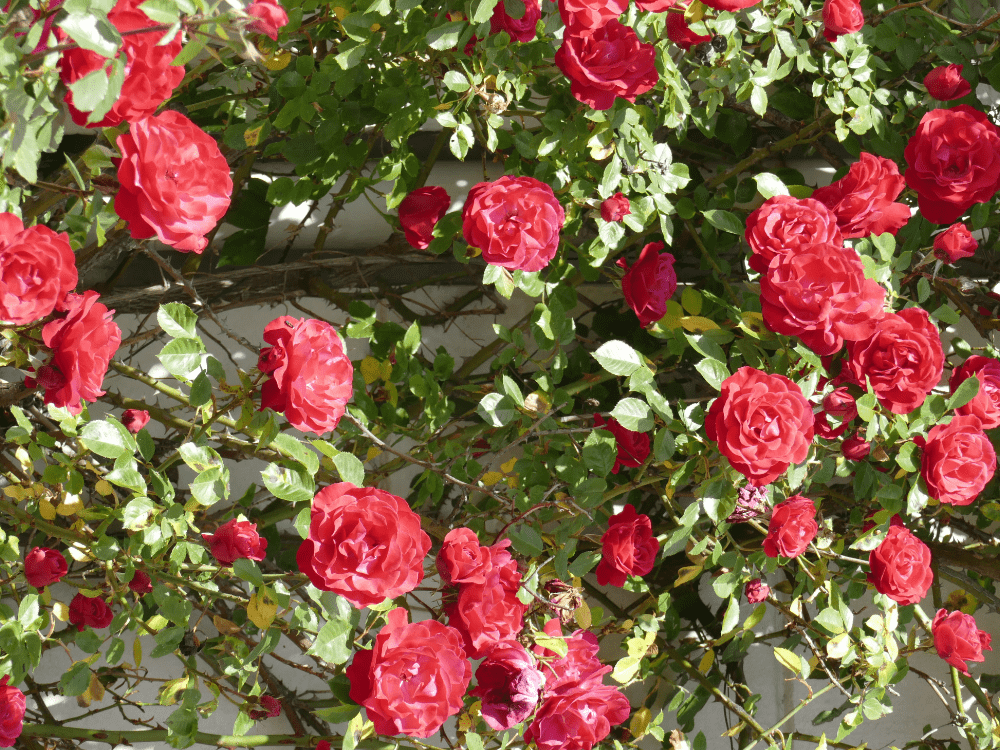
(135, 419)
(633, 447)
(986, 403)
(606, 63)
(628, 548)
(946, 82)
(841, 404)
(82, 343)
(863, 199)
(515, 221)
(150, 78)
(175, 182)
(958, 640)
(508, 685)
(654, 6)
(841, 17)
(756, 591)
(958, 461)
(44, 566)
(414, 677)
(792, 527)
(269, 17)
(856, 448)
(954, 162)
(311, 377)
(420, 211)
(820, 294)
(903, 360)
(462, 559)
(762, 424)
(680, 33)
(268, 708)
(784, 225)
(649, 283)
(364, 543)
(616, 207)
(520, 29)
(590, 14)
(85, 611)
(236, 540)
(141, 583)
(900, 567)
(954, 243)
(11, 713)
(37, 270)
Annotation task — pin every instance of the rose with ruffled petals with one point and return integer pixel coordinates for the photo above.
(268, 17)
(12, 707)
(37, 270)
(420, 211)
(986, 403)
(655, 6)
(628, 548)
(946, 82)
(900, 567)
(462, 559)
(616, 207)
(85, 611)
(954, 243)
(958, 461)
(508, 685)
(863, 199)
(783, 225)
(521, 29)
(590, 14)
(793, 525)
(236, 540)
(958, 640)
(756, 591)
(841, 17)
(649, 283)
(44, 566)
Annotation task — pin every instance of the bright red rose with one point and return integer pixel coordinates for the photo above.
(954, 162)
(680, 33)
(87, 612)
(945, 83)
(311, 375)
(413, 679)
(11, 713)
(762, 424)
(628, 548)
(958, 461)
(954, 243)
(364, 543)
(958, 640)
(655, 6)
(44, 566)
(784, 225)
(420, 211)
(236, 540)
(903, 360)
(175, 182)
(590, 14)
(135, 419)
(792, 527)
(756, 591)
(268, 708)
(605, 63)
(986, 403)
(462, 559)
(150, 78)
(515, 221)
(856, 448)
(863, 199)
(841, 17)
(616, 208)
(520, 29)
(270, 17)
(508, 685)
(37, 270)
(649, 283)
(82, 344)
(900, 567)
(141, 583)
(633, 447)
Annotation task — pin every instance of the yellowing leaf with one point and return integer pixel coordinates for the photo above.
(583, 616)
(371, 370)
(788, 659)
(372, 453)
(537, 403)
(251, 136)
(61, 611)
(104, 487)
(47, 510)
(137, 652)
(491, 477)
(278, 61)
(753, 322)
(698, 324)
(688, 573)
(261, 610)
(340, 12)
(374, 27)
(224, 626)
(16, 492)
(508, 467)
(694, 12)
(70, 506)
(706, 661)
(385, 370)
(96, 688)
(691, 300)
(640, 722)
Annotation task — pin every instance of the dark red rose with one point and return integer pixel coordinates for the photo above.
(87, 612)
(954, 243)
(508, 685)
(762, 424)
(863, 199)
(756, 591)
(900, 567)
(12, 706)
(590, 14)
(462, 559)
(945, 83)
(792, 527)
(958, 461)
(605, 63)
(784, 225)
(903, 360)
(175, 182)
(420, 211)
(141, 583)
(515, 221)
(841, 17)
(824, 430)
(413, 679)
(841, 404)
(615, 208)
(954, 162)
(135, 419)
(986, 403)
(37, 270)
(44, 566)
(633, 447)
(958, 640)
(270, 17)
(364, 543)
(311, 375)
(649, 283)
(680, 33)
(855, 448)
(236, 540)
(521, 29)
(268, 708)
(628, 548)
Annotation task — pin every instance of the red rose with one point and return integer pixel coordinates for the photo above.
(364, 544)
(462, 559)
(841, 17)
(856, 448)
(954, 243)
(269, 708)
(649, 283)
(793, 526)
(762, 424)
(862, 200)
(633, 447)
(680, 33)
(945, 83)
(508, 683)
(616, 208)
(820, 294)
(515, 221)
(954, 162)
(37, 270)
(135, 419)
(11, 713)
(175, 182)
(605, 63)
(44, 566)
(311, 375)
(986, 403)
(521, 29)
(236, 540)
(903, 360)
(270, 17)
(414, 677)
(958, 640)
(958, 461)
(756, 591)
(654, 6)
(628, 548)
(785, 225)
(150, 78)
(900, 567)
(84, 612)
(420, 211)
(141, 583)
(82, 344)
(590, 14)
(841, 404)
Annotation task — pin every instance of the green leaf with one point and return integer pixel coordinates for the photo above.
(446, 36)
(89, 91)
(161, 11)
(633, 414)
(350, 468)
(92, 31)
(618, 358)
(290, 483)
(713, 371)
(481, 11)
(770, 185)
(866, 407)
(104, 439)
(182, 357)
(732, 617)
(76, 680)
(248, 571)
(526, 540)
(456, 81)
(965, 392)
(599, 452)
(725, 221)
(496, 409)
(333, 644)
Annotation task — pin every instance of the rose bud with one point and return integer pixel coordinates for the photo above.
(958, 640)
(236, 540)
(946, 83)
(135, 419)
(44, 566)
(616, 207)
(756, 591)
(954, 243)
